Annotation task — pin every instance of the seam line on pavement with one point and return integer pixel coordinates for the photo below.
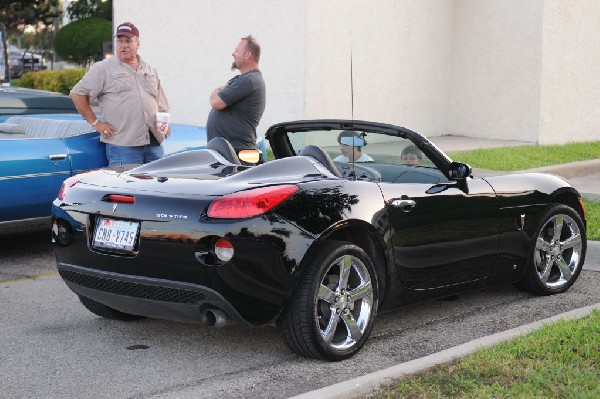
(37, 276)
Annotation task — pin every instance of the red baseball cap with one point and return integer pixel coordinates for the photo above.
(127, 29)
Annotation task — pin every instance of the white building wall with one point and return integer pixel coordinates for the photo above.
(505, 69)
(496, 69)
(401, 53)
(190, 43)
(570, 82)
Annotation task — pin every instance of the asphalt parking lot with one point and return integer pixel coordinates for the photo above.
(53, 348)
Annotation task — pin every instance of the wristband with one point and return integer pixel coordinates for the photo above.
(94, 123)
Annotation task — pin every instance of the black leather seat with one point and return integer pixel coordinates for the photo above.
(224, 147)
(321, 156)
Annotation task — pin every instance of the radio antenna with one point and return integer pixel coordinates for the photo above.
(351, 78)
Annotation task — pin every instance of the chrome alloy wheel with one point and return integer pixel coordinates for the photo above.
(344, 302)
(558, 251)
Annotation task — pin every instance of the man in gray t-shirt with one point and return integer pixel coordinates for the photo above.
(238, 106)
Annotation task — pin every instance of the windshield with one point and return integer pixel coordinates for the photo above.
(370, 155)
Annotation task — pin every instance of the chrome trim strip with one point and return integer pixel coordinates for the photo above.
(33, 175)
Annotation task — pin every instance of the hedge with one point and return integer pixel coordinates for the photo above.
(59, 81)
(81, 41)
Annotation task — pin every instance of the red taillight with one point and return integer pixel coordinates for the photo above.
(121, 199)
(250, 203)
(68, 183)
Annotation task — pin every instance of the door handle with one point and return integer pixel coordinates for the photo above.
(56, 157)
(407, 205)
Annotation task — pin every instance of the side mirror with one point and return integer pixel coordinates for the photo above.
(459, 171)
(249, 156)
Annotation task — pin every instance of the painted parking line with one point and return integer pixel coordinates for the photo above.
(12, 280)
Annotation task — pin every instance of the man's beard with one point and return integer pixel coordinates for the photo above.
(233, 66)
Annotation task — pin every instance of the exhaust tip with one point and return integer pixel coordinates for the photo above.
(214, 318)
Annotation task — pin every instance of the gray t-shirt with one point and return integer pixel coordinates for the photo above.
(245, 96)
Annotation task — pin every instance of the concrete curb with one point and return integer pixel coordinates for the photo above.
(591, 196)
(366, 384)
(592, 257)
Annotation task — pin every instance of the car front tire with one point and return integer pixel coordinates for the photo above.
(332, 312)
(557, 253)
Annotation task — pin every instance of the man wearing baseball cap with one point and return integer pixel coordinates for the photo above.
(129, 94)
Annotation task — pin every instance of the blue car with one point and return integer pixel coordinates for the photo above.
(43, 141)
(21, 101)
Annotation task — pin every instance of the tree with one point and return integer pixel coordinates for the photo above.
(90, 9)
(18, 15)
(81, 41)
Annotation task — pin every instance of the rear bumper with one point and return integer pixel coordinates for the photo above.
(143, 296)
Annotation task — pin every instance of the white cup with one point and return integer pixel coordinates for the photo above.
(162, 122)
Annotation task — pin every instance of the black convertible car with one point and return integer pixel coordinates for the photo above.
(351, 217)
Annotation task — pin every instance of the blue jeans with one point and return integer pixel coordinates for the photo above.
(119, 155)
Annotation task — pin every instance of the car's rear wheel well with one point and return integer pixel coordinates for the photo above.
(361, 237)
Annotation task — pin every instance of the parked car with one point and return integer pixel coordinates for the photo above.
(15, 64)
(21, 61)
(43, 141)
(314, 243)
(33, 61)
(21, 101)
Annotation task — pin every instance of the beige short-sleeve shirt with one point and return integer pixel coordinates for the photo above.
(128, 99)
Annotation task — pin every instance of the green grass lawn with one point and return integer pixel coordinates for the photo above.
(510, 159)
(560, 360)
(593, 218)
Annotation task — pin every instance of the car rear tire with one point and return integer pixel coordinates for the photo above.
(557, 252)
(332, 311)
(105, 311)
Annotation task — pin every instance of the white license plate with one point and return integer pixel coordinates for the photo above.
(115, 234)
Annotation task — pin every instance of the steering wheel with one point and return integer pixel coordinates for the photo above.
(358, 170)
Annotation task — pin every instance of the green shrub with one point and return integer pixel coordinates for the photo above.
(27, 80)
(70, 77)
(59, 81)
(81, 41)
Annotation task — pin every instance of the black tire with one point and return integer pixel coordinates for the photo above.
(320, 301)
(105, 311)
(557, 253)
